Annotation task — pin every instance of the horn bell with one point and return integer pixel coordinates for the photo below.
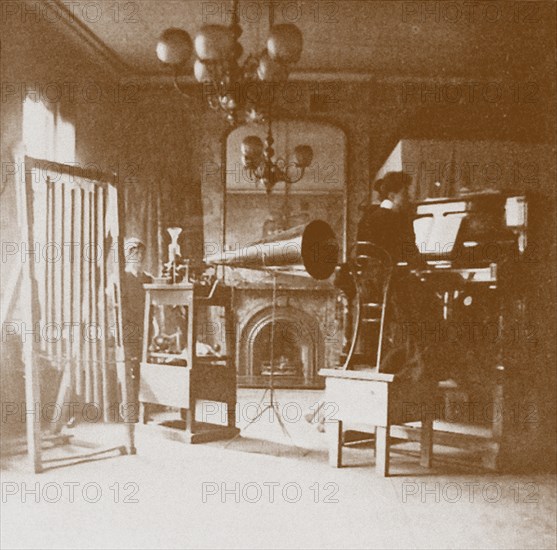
(312, 246)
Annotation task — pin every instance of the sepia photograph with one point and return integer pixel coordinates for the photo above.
(278, 274)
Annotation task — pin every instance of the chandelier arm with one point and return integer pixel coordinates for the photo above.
(212, 103)
(178, 87)
(299, 177)
(281, 163)
(259, 172)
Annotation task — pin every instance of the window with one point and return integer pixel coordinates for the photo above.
(46, 133)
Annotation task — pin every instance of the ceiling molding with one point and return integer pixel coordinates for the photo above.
(166, 80)
(298, 76)
(64, 17)
(125, 73)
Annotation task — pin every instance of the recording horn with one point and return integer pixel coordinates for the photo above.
(312, 245)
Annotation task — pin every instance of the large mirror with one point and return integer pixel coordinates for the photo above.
(252, 213)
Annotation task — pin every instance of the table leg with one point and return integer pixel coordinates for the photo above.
(189, 420)
(334, 432)
(382, 450)
(144, 413)
(426, 441)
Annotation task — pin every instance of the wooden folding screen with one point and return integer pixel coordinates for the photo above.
(71, 227)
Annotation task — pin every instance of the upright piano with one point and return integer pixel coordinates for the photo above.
(477, 335)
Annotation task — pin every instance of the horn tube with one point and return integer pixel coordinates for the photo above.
(312, 246)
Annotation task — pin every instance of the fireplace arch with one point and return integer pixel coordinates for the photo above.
(298, 347)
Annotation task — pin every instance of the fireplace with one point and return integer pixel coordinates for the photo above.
(275, 353)
(305, 335)
(290, 340)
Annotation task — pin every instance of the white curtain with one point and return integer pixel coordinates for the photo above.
(47, 134)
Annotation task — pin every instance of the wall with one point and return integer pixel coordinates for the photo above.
(43, 57)
(142, 138)
(40, 56)
(155, 140)
(375, 116)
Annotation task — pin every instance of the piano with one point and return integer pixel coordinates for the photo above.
(476, 338)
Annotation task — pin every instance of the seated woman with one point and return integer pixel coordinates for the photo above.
(389, 226)
(389, 229)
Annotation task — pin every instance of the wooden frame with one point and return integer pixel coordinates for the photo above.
(341, 191)
(203, 378)
(66, 283)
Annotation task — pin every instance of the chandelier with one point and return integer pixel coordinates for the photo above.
(234, 84)
(261, 168)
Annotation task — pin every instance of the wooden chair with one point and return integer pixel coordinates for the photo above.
(363, 396)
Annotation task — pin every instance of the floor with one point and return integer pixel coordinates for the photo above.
(172, 495)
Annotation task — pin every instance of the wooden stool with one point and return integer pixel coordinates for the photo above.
(378, 401)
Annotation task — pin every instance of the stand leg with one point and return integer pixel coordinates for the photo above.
(281, 422)
(334, 432)
(382, 450)
(426, 442)
(254, 419)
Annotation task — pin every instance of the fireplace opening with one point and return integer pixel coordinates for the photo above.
(297, 349)
(290, 353)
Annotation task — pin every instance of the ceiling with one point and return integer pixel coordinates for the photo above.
(350, 37)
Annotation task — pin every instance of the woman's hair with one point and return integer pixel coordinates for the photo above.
(392, 182)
